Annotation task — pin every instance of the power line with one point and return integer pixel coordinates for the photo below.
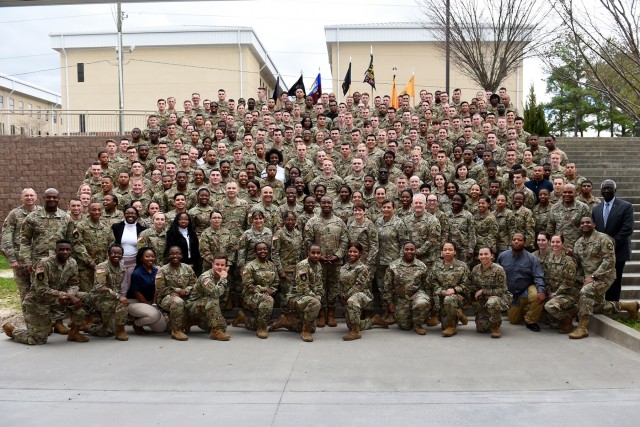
(28, 56)
(52, 17)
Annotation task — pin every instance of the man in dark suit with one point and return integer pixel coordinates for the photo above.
(615, 218)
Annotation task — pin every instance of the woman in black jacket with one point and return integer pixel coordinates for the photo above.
(126, 234)
(182, 233)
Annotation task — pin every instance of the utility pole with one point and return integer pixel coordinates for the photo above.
(447, 46)
(120, 71)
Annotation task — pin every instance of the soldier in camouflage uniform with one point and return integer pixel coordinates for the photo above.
(203, 306)
(201, 212)
(486, 226)
(425, 231)
(541, 211)
(596, 259)
(462, 229)
(363, 231)
(356, 294)
(407, 292)
(260, 283)
(11, 238)
(304, 297)
(174, 282)
(451, 281)
(106, 297)
(91, 239)
(563, 290)
(257, 233)
(155, 237)
(285, 254)
(54, 288)
(489, 288)
(330, 232)
(524, 221)
(565, 216)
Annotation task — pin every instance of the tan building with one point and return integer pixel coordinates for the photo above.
(159, 63)
(26, 109)
(405, 46)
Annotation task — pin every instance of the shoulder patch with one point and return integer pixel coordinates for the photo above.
(40, 276)
(303, 276)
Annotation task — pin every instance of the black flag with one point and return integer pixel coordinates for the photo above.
(277, 91)
(347, 81)
(297, 85)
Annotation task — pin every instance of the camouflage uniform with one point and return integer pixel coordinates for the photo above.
(50, 281)
(272, 218)
(560, 277)
(495, 296)
(332, 183)
(426, 234)
(565, 220)
(344, 211)
(257, 277)
(506, 225)
(356, 294)
(113, 218)
(154, 239)
(332, 236)
(367, 235)
(285, 254)
(91, 241)
(541, 215)
(11, 246)
(392, 235)
(524, 223)
(105, 295)
(406, 286)
(486, 232)
(39, 233)
(248, 241)
(455, 276)
(200, 217)
(169, 281)
(203, 305)
(305, 297)
(462, 232)
(596, 258)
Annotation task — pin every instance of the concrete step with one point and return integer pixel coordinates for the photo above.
(630, 280)
(632, 266)
(630, 292)
(635, 244)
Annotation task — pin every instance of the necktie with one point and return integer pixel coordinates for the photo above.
(605, 213)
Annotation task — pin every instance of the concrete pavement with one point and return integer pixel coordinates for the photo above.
(389, 377)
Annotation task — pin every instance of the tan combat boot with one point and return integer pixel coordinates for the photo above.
(306, 332)
(261, 330)
(178, 335)
(631, 307)
(354, 333)
(495, 329)
(450, 330)
(240, 319)
(121, 335)
(59, 328)
(322, 318)
(331, 319)
(418, 329)
(566, 325)
(461, 316)
(388, 318)
(219, 335)
(376, 320)
(282, 322)
(434, 320)
(75, 335)
(582, 331)
(8, 329)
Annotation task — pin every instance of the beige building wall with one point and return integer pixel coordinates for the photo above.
(159, 72)
(424, 58)
(22, 114)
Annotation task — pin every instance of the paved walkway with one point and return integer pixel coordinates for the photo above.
(387, 378)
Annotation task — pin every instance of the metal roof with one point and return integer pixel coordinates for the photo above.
(392, 32)
(26, 88)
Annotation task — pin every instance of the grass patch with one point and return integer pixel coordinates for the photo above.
(4, 264)
(634, 324)
(9, 297)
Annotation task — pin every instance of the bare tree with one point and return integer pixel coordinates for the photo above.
(488, 40)
(608, 33)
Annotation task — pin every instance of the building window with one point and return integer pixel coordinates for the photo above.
(30, 108)
(1, 102)
(54, 116)
(11, 107)
(20, 106)
(38, 112)
(13, 129)
(80, 72)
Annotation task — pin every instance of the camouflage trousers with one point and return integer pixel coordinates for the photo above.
(37, 319)
(307, 307)
(413, 312)
(331, 278)
(356, 304)
(490, 311)
(23, 281)
(175, 306)
(262, 308)
(283, 290)
(87, 277)
(112, 311)
(451, 303)
(206, 313)
(560, 306)
(592, 300)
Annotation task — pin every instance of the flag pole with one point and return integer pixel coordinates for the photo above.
(413, 76)
(372, 86)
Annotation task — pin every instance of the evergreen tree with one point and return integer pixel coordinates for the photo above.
(534, 118)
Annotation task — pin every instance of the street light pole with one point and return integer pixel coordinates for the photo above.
(120, 73)
(447, 47)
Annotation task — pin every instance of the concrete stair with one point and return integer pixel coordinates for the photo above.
(619, 159)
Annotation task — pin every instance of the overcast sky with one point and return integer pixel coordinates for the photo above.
(297, 44)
